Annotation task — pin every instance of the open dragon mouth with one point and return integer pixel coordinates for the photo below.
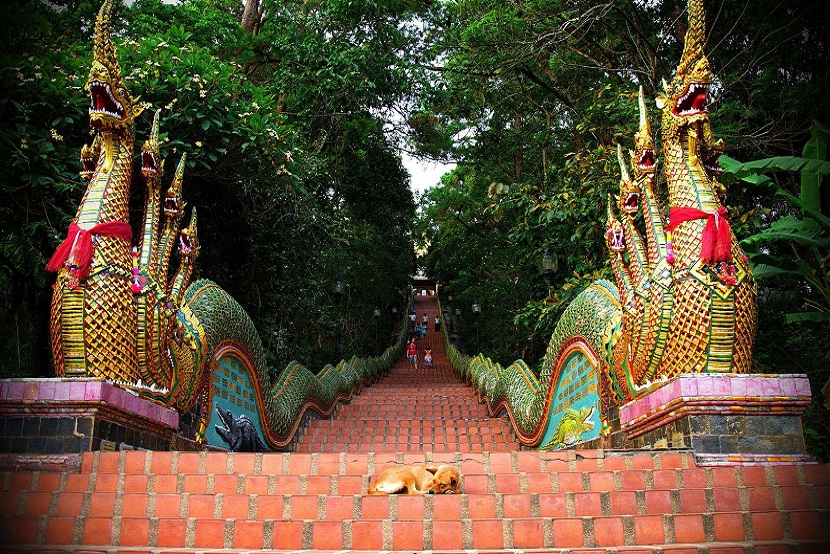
(632, 202)
(149, 163)
(710, 162)
(171, 205)
(646, 161)
(185, 244)
(103, 101)
(87, 166)
(227, 428)
(140, 387)
(693, 102)
(224, 416)
(615, 239)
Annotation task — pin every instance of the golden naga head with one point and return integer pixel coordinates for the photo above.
(189, 240)
(89, 158)
(173, 205)
(111, 106)
(150, 165)
(629, 188)
(685, 97)
(643, 160)
(614, 236)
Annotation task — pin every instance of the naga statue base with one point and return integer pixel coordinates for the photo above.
(723, 418)
(65, 416)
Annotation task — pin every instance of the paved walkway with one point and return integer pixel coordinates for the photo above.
(413, 410)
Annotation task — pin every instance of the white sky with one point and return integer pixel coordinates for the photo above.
(424, 174)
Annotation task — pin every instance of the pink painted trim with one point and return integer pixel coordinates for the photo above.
(715, 394)
(81, 392)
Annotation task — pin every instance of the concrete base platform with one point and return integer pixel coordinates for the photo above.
(52, 416)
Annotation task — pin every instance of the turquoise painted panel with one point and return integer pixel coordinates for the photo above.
(232, 390)
(575, 409)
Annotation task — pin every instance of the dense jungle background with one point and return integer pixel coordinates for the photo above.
(294, 114)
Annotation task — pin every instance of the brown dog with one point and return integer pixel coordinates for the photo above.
(423, 479)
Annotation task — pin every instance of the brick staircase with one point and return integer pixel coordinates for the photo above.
(313, 498)
(413, 410)
(139, 501)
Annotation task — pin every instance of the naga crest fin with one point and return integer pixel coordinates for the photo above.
(103, 50)
(645, 126)
(695, 39)
(623, 165)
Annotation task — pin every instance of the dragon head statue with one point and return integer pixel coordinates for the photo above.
(614, 236)
(151, 167)
(111, 106)
(173, 205)
(89, 158)
(189, 240)
(643, 160)
(629, 188)
(687, 93)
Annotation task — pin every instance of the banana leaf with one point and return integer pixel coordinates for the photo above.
(807, 316)
(788, 228)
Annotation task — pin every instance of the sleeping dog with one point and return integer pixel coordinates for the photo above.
(422, 479)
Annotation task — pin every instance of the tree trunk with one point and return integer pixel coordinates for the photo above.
(519, 154)
(252, 16)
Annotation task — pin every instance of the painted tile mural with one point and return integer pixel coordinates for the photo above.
(575, 415)
(232, 391)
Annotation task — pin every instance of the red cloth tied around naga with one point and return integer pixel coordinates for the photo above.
(82, 241)
(716, 239)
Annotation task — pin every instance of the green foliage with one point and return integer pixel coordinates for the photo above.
(532, 97)
(808, 255)
(288, 164)
(792, 261)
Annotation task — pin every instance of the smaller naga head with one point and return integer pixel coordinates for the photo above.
(150, 165)
(111, 106)
(643, 160)
(173, 205)
(686, 96)
(189, 240)
(187, 351)
(709, 154)
(614, 236)
(629, 189)
(89, 158)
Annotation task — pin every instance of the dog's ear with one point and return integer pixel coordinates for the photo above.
(453, 481)
(432, 468)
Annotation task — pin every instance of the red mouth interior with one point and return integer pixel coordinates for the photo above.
(148, 161)
(101, 100)
(693, 101)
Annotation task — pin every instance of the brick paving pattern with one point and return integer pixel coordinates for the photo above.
(413, 410)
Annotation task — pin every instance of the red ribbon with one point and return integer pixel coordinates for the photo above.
(82, 241)
(716, 240)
